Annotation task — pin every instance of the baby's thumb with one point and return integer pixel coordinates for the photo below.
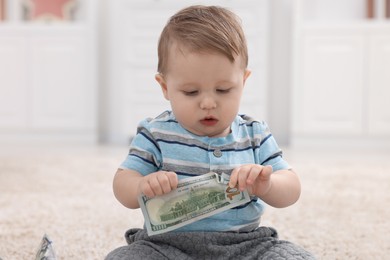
(268, 168)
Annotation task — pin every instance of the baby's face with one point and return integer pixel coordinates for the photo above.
(204, 90)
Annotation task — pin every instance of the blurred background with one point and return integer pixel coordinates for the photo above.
(77, 76)
(82, 71)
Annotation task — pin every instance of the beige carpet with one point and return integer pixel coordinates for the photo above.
(344, 211)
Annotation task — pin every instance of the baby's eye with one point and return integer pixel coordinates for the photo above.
(223, 91)
(190, 93)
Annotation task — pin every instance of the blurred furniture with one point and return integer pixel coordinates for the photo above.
(341, 74)
(48, 88)
(2, 10)
(50, 10)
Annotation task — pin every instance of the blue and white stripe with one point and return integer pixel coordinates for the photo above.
(161, 144)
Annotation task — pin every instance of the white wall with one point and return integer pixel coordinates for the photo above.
(280, 69)
(340, 80)
(279, 76)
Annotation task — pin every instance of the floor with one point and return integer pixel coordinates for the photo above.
(65, 191)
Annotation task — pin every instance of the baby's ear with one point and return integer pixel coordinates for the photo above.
(160, 79)
(247, 73)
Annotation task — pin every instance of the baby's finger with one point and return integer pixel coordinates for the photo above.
(253, 174)
(233, 177)
(155, 186)
(173, 180)
(242, 178)
(164, 182)
(146, 189)
(266, 172)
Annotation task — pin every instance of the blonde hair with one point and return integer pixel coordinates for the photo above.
(200, 29)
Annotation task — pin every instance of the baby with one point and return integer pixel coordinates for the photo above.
(202, 71)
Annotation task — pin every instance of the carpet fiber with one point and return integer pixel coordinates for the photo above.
(66, 192)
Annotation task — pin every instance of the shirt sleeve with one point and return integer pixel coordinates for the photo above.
(144, 153)
(267, 151)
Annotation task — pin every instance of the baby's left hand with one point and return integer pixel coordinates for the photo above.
(256, 178)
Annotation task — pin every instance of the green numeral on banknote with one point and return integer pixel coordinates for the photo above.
(158, 227)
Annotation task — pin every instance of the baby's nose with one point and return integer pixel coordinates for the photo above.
(208, 103)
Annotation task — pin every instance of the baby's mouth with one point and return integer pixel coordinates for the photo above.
(209, 121)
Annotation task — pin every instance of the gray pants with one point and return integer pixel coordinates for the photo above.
(262, 243)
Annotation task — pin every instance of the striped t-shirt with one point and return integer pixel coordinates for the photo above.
(162, 144)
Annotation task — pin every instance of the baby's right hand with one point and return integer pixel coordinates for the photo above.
(158, 183)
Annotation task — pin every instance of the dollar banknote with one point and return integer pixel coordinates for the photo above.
(195, 198)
